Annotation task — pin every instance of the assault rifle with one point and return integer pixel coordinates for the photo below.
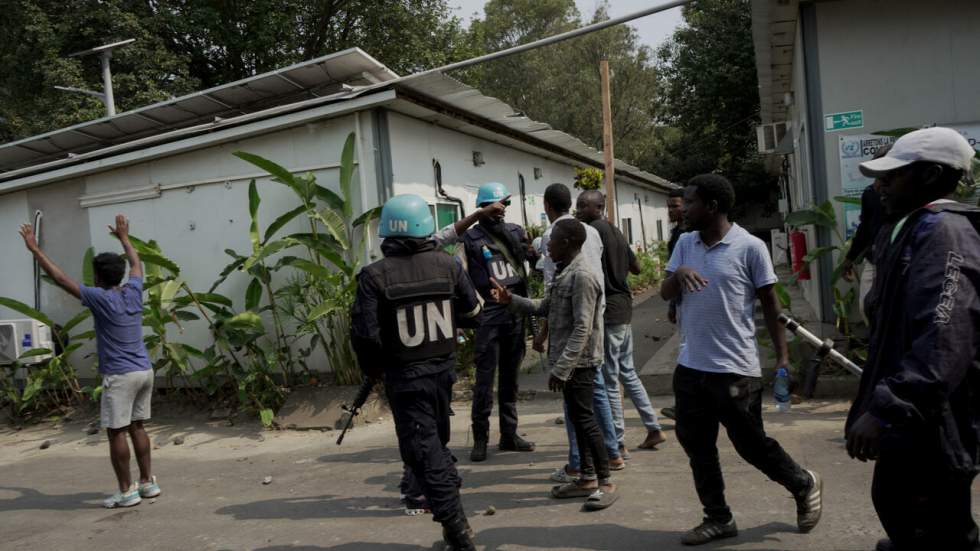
(362, 395)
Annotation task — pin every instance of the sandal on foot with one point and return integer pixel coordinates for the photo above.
(570, 490)
(599, 500)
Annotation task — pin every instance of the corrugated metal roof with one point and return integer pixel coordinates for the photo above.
(297, 87)
(310, 79)
(467, 99)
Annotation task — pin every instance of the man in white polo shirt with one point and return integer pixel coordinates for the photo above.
(720, 269)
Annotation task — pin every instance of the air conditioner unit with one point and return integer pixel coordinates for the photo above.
(19, 336)
(769, 135)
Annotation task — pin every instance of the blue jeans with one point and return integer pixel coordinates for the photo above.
(603, 415)
(618, 344)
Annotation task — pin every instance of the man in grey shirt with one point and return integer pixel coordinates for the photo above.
(721, 269)
(574, 354)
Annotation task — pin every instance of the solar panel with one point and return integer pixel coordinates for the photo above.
(309, 79)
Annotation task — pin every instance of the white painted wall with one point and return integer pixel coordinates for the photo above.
(906, 63)
(654, 209)
(415, 143)
(17, 266)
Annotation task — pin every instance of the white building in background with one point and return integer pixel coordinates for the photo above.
(169, 167)
(834, 76)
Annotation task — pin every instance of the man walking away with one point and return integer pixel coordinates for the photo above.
(495, 248)
(127, 376)
(617, 260)
(917, 411)
(574, 355)
(404, 329)
(720, 269)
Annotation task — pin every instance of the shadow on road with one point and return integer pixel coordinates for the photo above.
(32, 499)
(600, 537)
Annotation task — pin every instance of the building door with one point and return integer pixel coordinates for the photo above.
(628, 229)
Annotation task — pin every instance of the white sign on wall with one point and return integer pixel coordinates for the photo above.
(854, 150)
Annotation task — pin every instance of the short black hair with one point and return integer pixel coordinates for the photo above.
(679, 192)
(591, 195)
(714, 187)
(109, 268)
(559, 197)
(572, 230)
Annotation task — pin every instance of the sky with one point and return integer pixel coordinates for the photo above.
(653, 29)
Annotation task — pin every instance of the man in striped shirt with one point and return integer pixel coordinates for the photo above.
(720, 269)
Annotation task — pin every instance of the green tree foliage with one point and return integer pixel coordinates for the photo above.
(37, 36)
(559, 84)
(187, 45)
(710, 97)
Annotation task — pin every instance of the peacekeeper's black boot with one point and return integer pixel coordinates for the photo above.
(457, 534)
(479, 452)
(515, 443)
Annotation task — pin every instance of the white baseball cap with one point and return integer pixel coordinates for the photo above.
(935, 145)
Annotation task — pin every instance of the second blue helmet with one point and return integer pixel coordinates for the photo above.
(491, 192)
(406, 216)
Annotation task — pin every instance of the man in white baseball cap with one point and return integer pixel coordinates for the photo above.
(916, 410)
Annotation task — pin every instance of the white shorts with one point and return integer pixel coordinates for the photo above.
(126, 398)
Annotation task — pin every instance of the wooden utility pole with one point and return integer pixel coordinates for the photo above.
(607, 144)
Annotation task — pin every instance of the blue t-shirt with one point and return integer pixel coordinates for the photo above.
(717, 323)
(118, 316)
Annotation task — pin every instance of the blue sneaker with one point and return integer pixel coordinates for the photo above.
(123, 499)
(150, 489)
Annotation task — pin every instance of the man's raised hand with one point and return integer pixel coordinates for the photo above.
(27, 232)
(121, 230)
(499, 292)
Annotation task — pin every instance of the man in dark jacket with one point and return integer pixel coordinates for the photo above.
(404, 329)
(872, 217)
(918, 408)
(496, 249)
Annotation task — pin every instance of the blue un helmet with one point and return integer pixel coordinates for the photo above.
(406, 216)
(491, 192)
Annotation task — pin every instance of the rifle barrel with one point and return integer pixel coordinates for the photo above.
(800, 331)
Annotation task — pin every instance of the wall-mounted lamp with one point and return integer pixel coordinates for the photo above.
(478, 159)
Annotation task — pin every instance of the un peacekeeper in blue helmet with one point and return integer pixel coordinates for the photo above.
(404, 322)
(496, 249)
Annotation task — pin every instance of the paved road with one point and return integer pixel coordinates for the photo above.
(327, 498)
(651, 329)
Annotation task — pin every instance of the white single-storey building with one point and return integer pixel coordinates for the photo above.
(169, 167)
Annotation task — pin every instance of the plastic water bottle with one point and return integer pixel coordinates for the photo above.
(780, 390)
(486, 253)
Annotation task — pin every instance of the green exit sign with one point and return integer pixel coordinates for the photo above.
(843, 121)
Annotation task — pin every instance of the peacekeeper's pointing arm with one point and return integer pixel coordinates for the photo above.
(366, 327)
(451, 233)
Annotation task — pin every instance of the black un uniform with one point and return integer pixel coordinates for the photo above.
(404, 327)
(496, 250)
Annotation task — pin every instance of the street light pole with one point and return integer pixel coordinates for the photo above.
(110, 102)
(105, 54)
